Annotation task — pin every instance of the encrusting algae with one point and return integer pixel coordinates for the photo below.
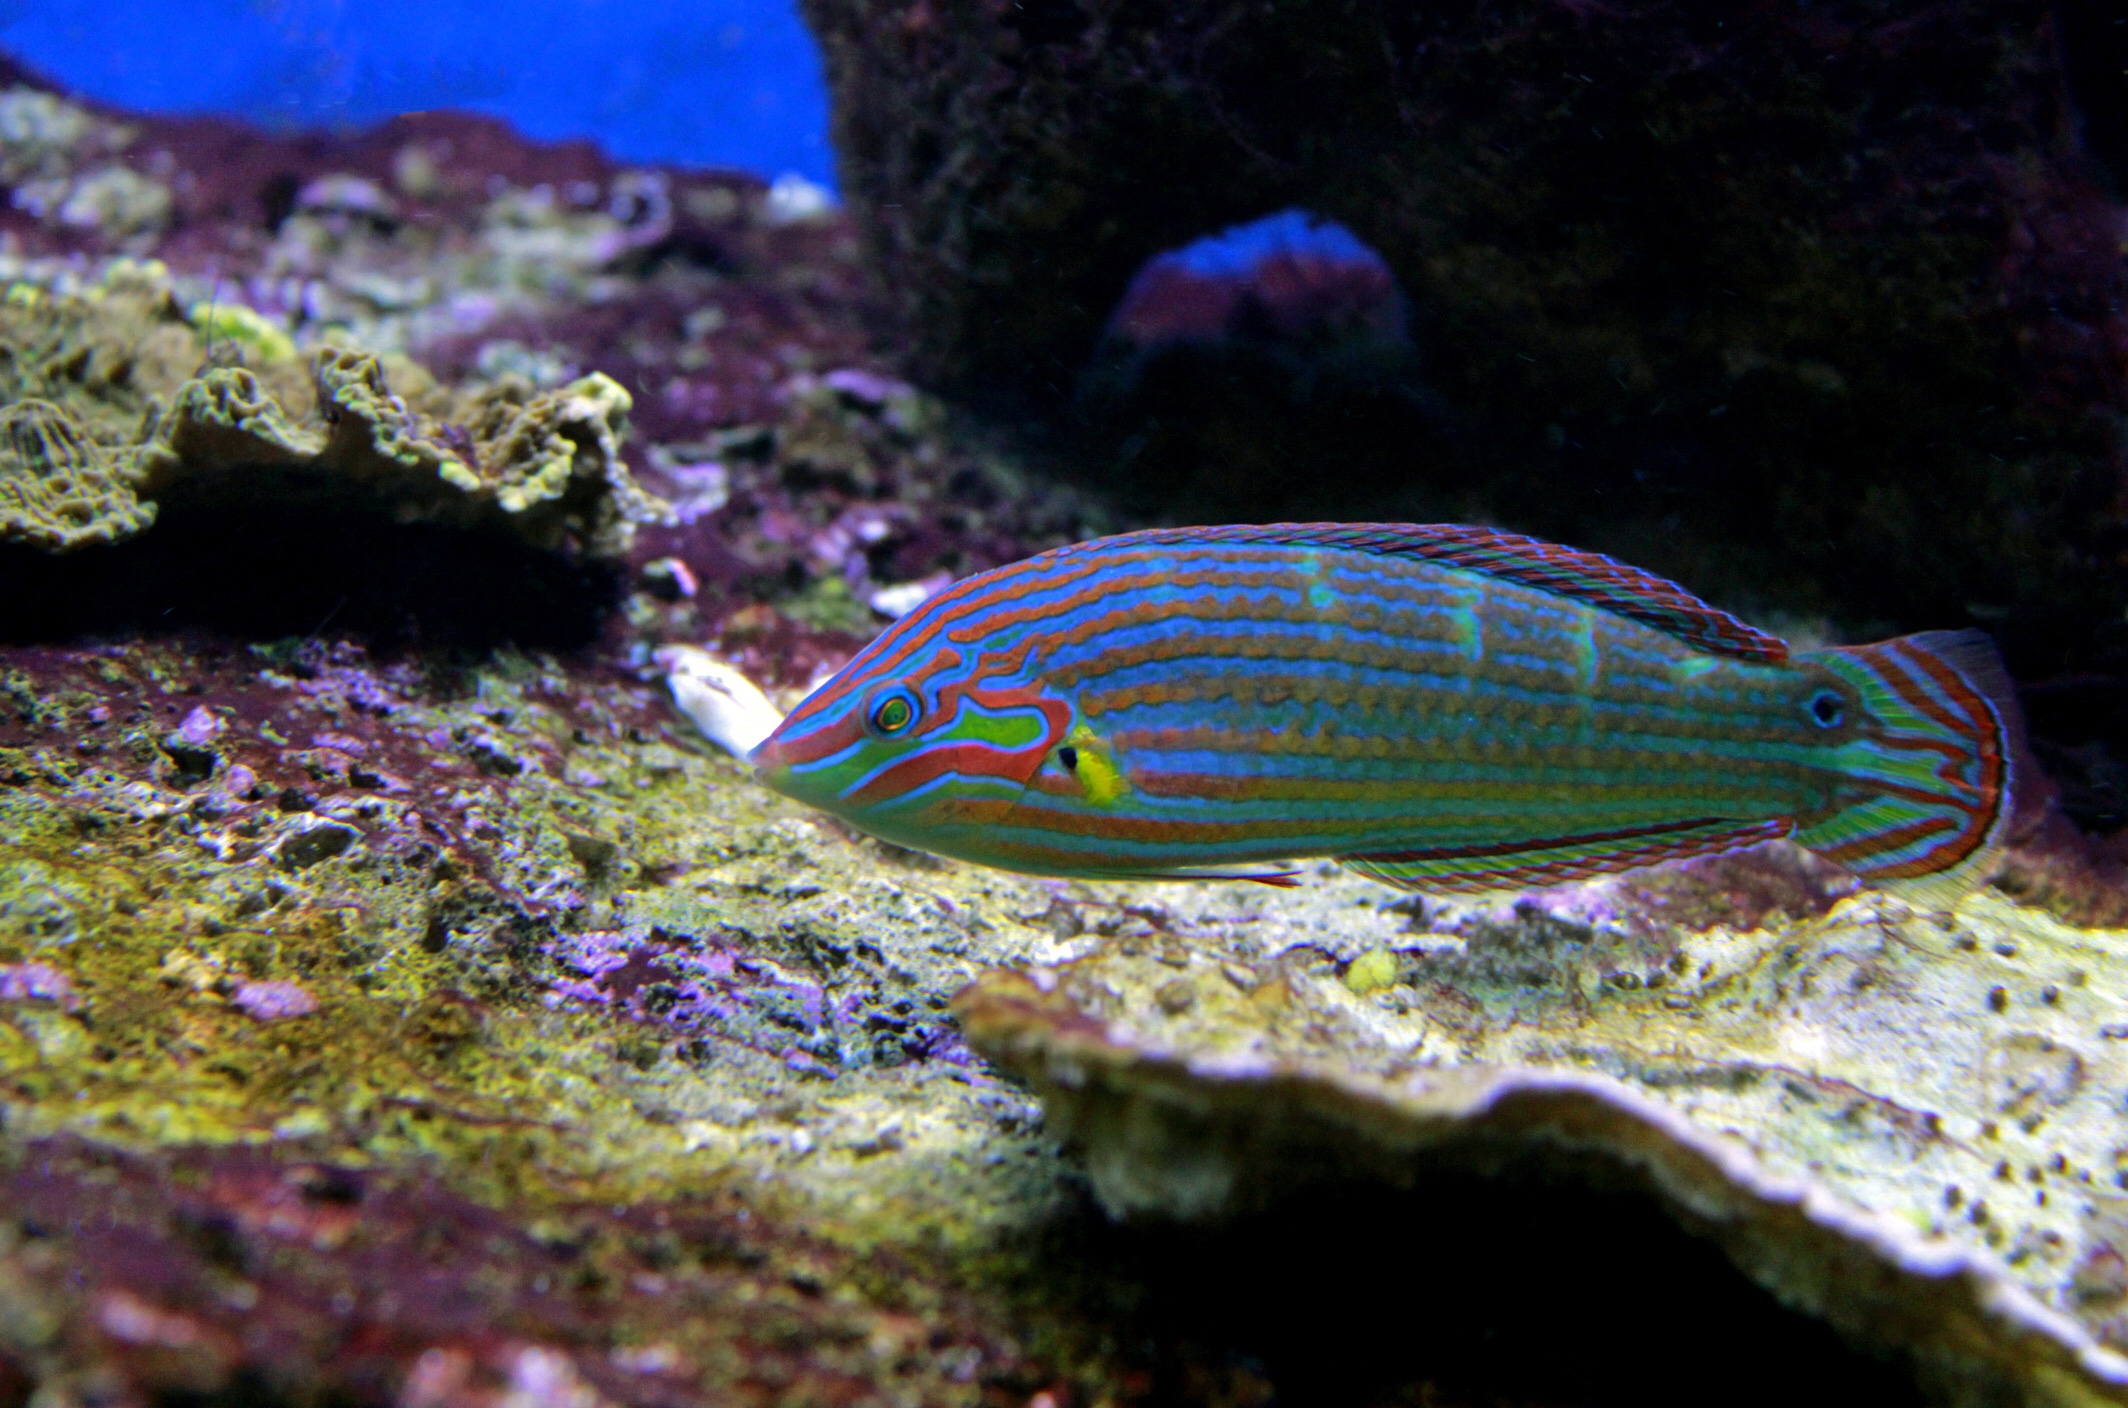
(1901, 1122)
(288, 902)
(58, 490)
(545, 466)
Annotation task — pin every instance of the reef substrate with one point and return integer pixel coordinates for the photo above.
(392, 1016)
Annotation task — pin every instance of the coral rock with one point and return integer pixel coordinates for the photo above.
(106, 353)
(1905, 1124)
(59, 491)
(546, 468)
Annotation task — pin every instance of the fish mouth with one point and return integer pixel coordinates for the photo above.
(787, 761)
(771, 761)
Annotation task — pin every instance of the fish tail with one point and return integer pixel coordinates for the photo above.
(1939, 782)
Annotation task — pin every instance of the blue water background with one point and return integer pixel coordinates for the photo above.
(713, 83)
(733, 83)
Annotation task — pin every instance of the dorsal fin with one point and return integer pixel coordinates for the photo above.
(1531, 562)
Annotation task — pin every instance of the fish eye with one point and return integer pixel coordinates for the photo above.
(1826, 708)
(892, 712)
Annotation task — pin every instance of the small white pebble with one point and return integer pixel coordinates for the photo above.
(729, 708)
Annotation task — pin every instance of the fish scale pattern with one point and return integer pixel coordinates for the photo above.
(1442, 707)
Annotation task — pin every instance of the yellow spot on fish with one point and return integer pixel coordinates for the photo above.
(1089, 758)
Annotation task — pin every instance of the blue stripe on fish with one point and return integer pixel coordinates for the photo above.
(1438, 705)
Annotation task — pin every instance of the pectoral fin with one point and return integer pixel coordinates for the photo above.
(1088, 757)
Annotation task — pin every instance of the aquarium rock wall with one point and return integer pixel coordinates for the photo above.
(405, 1000)
(1818, 308)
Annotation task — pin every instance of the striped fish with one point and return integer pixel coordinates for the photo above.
(1440, 707)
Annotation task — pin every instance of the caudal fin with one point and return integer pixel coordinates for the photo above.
(1938, 779)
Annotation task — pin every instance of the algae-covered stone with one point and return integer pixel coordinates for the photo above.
(218, 421)
(362, 952)
(553, 461)
(1905, 1123)
(44, 135)
(546, 468)
(548, 465)
(134, 403)
(117, 201)
(107, 351)
(59, 491)
(257, 334)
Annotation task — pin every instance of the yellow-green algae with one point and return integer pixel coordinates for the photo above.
(521, 806)
(58, 490)
(259, 336)
(443, 1043)
(434, 1036)
(131, 391)
(110, 352)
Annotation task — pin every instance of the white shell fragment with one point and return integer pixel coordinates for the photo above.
(729, 708)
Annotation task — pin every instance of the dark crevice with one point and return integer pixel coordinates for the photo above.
(1465, 1291)
(281, 571)
(2093, 35)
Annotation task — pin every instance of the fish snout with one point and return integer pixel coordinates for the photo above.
(771, 764)
(799, 761)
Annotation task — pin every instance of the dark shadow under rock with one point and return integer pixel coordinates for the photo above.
(1463, 1291)
(285, 570)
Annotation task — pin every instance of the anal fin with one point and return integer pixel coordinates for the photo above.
(1278, 879)
(1561, 860)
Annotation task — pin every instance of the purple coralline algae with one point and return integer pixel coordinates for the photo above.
(272, 1001)
(37, 982)
(697, 990)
